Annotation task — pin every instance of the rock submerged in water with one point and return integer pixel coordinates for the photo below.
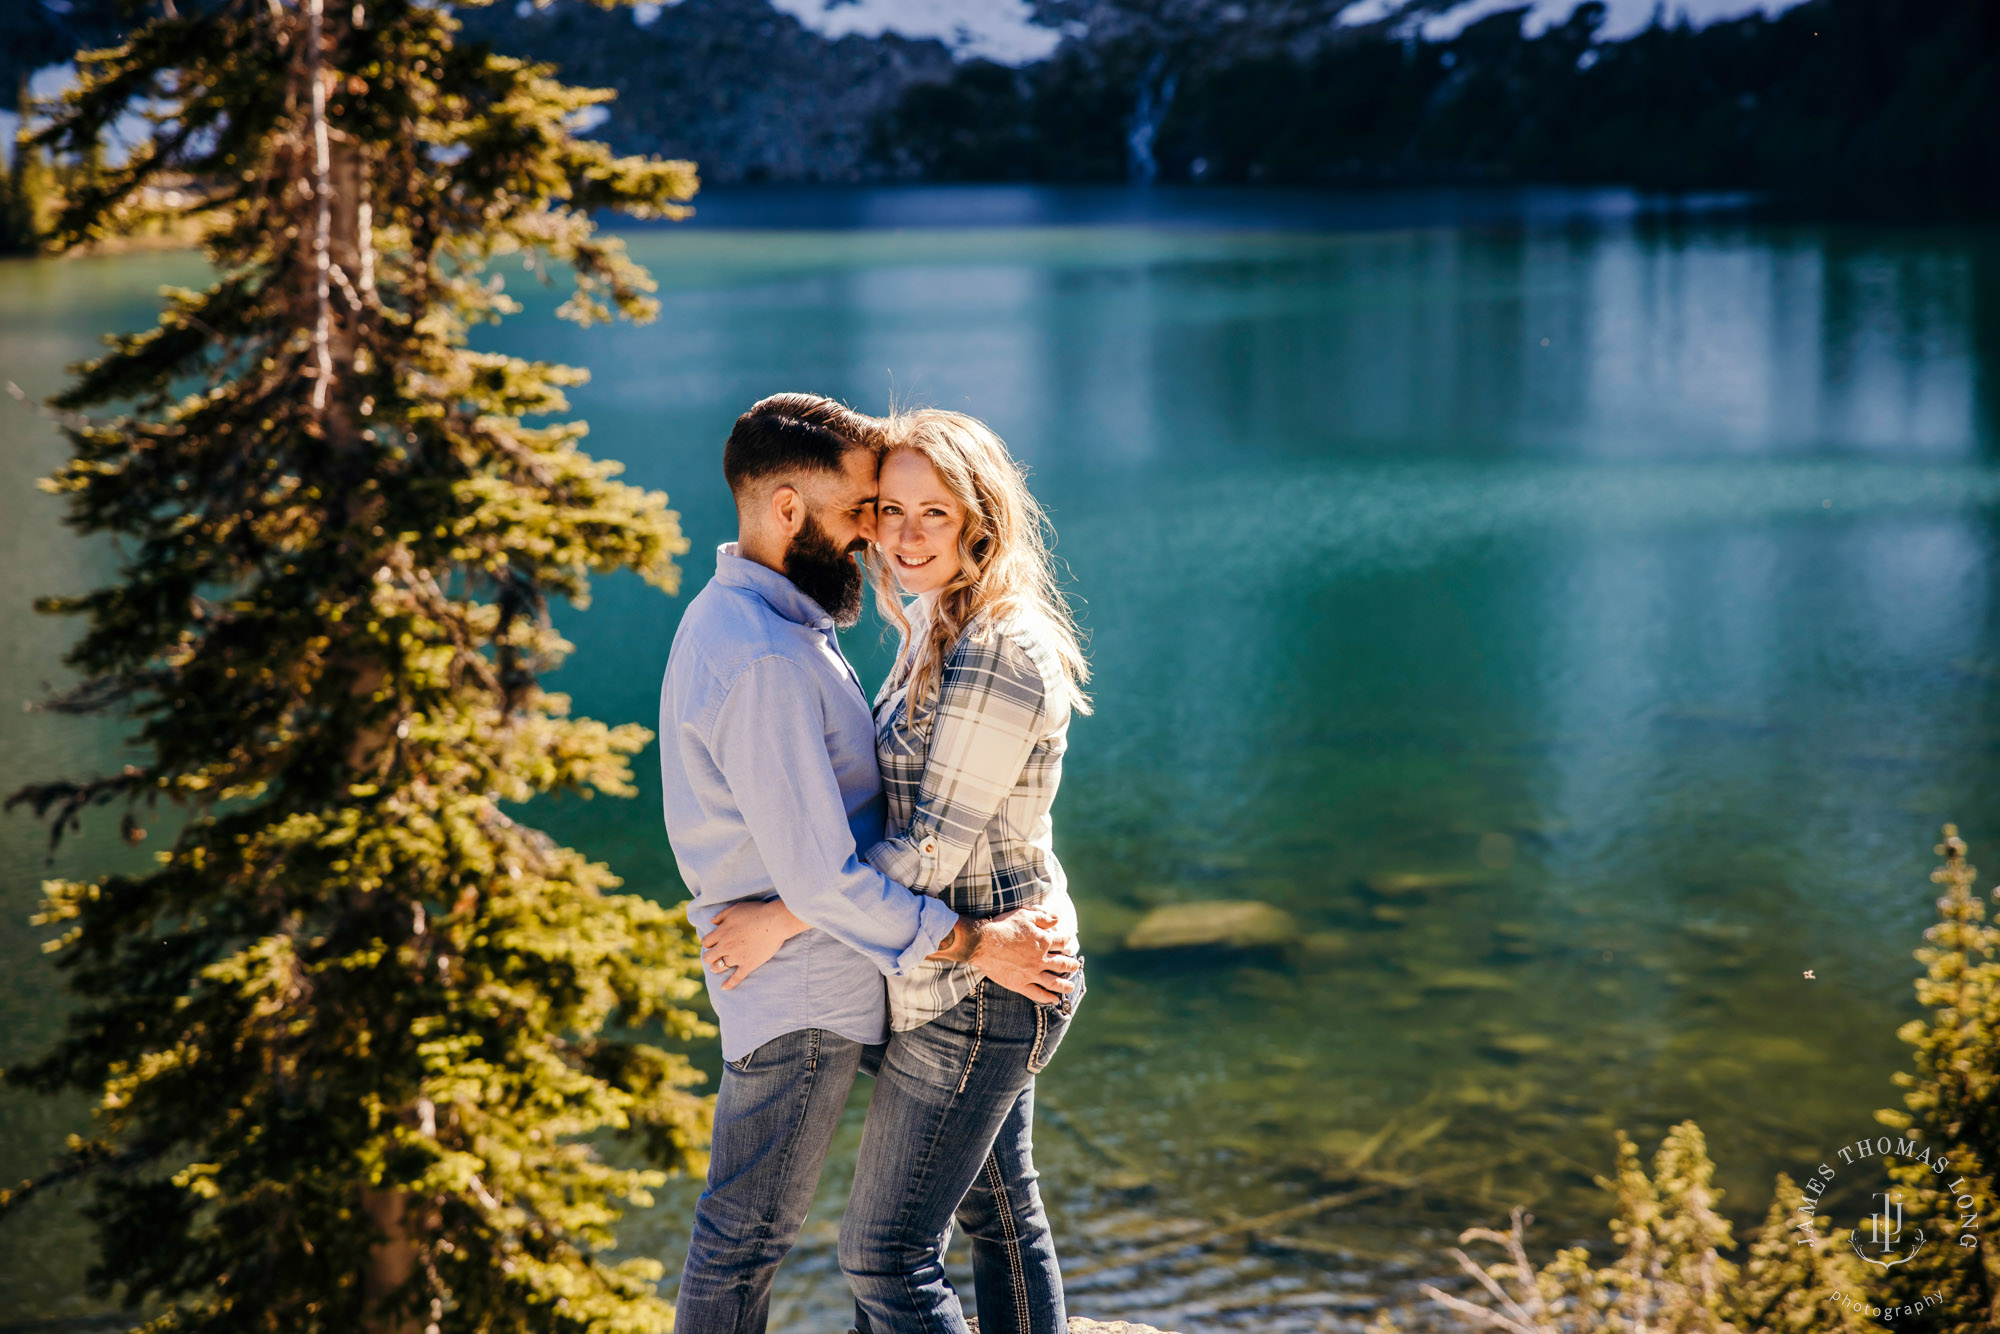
(1517, 1046)
(1406, 884)
(1448, 980)
(1216, 924)
(1326, 945)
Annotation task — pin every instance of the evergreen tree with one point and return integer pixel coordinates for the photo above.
(1953, 1102)
(351, 1038)
(9, 219)
(30, 197)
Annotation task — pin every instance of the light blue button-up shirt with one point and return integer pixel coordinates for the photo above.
(767, 752)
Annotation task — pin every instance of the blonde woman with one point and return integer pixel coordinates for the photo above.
(970, 732)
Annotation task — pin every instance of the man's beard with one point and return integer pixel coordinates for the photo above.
(825, 573)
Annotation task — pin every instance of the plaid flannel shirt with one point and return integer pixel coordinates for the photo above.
(968, 787)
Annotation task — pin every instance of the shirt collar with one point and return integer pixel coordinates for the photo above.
(778, 592)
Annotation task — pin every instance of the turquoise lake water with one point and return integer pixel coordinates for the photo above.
(1579, 618)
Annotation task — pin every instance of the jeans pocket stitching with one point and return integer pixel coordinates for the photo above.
(1035, 1059)
(978, 1032)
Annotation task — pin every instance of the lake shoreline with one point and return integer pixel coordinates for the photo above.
(1379, 206)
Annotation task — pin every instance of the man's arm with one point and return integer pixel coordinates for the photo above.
(769, 742)
(1028, 950)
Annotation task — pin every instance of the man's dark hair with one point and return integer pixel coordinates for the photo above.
(788, 434)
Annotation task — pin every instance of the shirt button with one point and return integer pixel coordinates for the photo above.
(930, 845)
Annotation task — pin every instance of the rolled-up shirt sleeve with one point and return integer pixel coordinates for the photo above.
(768, 739)
(991, 707)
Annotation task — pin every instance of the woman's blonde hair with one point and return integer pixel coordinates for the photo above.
(1005, 569)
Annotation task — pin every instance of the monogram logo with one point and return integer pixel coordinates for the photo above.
(1885, 1230)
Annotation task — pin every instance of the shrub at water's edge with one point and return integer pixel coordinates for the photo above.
(1953, 1101)
(349, 1040)
(1671, 1275)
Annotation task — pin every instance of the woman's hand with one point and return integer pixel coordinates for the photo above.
(745, 937)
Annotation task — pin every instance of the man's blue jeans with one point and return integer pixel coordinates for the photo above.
(775, 1116)
(949, 1131)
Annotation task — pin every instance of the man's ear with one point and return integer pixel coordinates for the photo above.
(786, 509)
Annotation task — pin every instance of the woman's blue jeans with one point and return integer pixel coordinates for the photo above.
(950, 1133)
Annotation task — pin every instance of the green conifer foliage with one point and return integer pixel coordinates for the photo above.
(1953, 1103)
(1793, 1272)
(353, 1038)
(29, 203)
(1670, 1276)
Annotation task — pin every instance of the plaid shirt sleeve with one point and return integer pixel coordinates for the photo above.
(991, 710)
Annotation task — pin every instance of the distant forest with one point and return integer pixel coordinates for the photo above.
(1879, 104)
(1895, 100)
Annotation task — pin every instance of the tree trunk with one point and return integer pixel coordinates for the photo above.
(390, 1264)
(335, 292)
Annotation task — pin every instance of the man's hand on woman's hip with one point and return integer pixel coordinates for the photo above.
(1028, 950)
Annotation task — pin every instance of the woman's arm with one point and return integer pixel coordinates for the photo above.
(991, 710)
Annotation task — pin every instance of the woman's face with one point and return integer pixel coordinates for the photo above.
(917, 522)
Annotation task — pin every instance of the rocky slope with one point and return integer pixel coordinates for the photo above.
(743, 89)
